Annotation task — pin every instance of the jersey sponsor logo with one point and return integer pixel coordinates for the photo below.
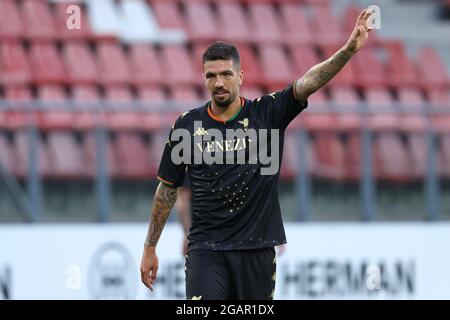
(200, 132)
(244, 123)
(234, 146)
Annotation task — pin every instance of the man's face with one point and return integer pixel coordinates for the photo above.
(222, 78)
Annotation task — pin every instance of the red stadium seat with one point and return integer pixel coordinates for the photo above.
(64, 155)
(80, 63)
(200, 22)
(112, 64)
(391, 157)
(304, 57)
(151, 94)
(61, 15)
(145, 65)
(7, 156)
(132, 156)
(235, 29)
(118, 93)
(177, 66)
(168, 14)
(264, 23)
(251, 92)
(18, 93)
(369, 69)
(184, 96)
(400, 68)
(14, 65)
(296, 26)
(11, 26)
(432, 70)
(39, 20)
(87, 93)
(89, 156)
(46, 64)
(417, 153)
(21, 147)
(51, 93)
(329, 156)
(325, 26)
(250, 65)
(276, 67)
(345, 99)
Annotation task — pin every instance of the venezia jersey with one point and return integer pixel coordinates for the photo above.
(234, 206)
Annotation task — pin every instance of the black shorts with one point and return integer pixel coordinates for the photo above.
(231, 275)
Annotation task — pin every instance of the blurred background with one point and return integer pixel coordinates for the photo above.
(89, 90)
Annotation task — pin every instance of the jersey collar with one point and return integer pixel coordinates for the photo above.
(229, 120)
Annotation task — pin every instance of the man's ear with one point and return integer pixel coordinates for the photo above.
(241, 76)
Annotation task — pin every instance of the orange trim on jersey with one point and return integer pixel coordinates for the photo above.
(162, 180)
(293, 89)
(225, 121)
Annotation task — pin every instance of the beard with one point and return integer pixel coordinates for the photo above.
(225, 102)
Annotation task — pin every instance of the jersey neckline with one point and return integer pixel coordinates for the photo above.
(215, 118)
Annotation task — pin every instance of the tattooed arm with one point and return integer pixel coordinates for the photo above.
(320, 74)
(165, 198)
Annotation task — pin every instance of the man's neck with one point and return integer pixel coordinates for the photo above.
(226, 113)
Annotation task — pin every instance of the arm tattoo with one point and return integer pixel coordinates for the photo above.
(321, 73)
(165, 198)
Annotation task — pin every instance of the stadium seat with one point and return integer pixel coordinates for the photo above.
(417, 153)
(46, 64)
(118, 93)
(132, 156)
(432, 70)
(400, 67)
(21, 148)
(61, 15)
(290, 162)
(200, 22)
(304, 57)
(7, 156)
(64, 155)
(251, 92)
(185, 97)
(329, 155)
(250, 65)
(11, 25)
(369, 69)
(89, 156)
(168, 15)
(80, 63)
(151, 94)
(391, 157)
(18, 93)
(296, 26)
(177, 66)
(325, 26)
(145, 66)
(235, 29)
(112, 64)
(264, 23)
(39, 19)
(14, 64)
(276, 67)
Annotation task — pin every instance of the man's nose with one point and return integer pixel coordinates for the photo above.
(219, 82)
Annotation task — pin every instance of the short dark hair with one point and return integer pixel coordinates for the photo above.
(220, 50)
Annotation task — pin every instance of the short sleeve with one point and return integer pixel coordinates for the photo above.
(286, 107)
(170, 173)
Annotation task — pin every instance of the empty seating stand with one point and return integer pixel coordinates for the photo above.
(11, 25)
(65, 156)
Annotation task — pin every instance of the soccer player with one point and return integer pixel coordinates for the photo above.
(236, 219)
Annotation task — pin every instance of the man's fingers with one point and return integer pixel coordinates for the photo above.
(153, 273)
(145, 278)
(362, 14)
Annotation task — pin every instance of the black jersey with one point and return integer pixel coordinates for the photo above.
(234, 206)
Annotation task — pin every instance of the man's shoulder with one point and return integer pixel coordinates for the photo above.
(189, 116)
